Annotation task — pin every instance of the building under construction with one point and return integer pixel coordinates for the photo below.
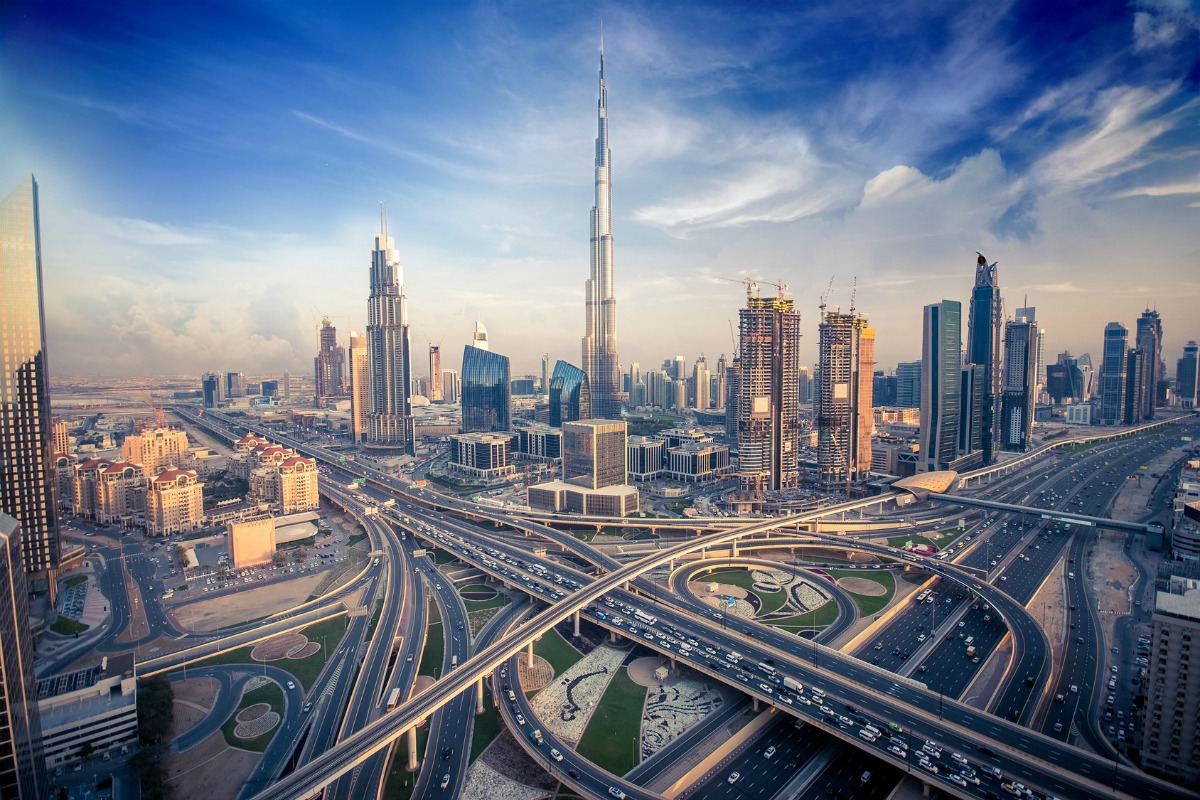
(842, 402)
(768, 402)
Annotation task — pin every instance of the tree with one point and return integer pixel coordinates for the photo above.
(301, 555)
(279, 558)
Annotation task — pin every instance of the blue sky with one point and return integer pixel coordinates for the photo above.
(211, 173)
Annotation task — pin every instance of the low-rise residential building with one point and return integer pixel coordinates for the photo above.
(607, 501)
(88, 711)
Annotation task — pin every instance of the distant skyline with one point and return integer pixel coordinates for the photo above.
(210, 174)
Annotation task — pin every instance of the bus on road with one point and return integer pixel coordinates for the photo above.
(393, 700)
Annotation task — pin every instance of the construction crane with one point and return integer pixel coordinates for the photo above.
(825, 296)
(752, 284)
(160, 416)
(853, 294)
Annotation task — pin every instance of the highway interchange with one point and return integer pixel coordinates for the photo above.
(922, 641)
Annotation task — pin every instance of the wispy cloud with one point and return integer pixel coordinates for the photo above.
(1163, 190)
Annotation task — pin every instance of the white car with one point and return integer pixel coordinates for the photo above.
(734, 777)
(557, 756)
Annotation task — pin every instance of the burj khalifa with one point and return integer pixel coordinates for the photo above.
(600, 360)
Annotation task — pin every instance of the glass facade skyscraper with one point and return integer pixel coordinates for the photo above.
(570, 396)
(941, 379)
(594, 453)
(1112, 373)
(486, 391)
(26, 480)
(22, 764)
(983, 348)
(1020, 383)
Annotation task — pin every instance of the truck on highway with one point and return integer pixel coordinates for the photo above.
(393, 700)
(535, 736)
(733, 656)
(793, 684)
(970, 651)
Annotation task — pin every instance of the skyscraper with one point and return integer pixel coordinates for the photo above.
(700, 380)
(570, 395)
(983, 348)
(26, 463)
(486, 391)
(768, 403)
(22, 764)
(1149, 341)
(210, 389)
(389, 362)
(908, 384)
(435, 373)
(941, 378)
(329, 366)
(360, 387)
(600, 361)
(843, 405)
(1186, 374)
(1020, 384)
(235, 384)
(1113, 364)
(721, 377)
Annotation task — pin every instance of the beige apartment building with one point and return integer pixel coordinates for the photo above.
(109, 491)
(174, 502)
(156, 450)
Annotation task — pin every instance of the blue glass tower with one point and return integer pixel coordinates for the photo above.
(984, 329)
(570, 396)
(486, 392)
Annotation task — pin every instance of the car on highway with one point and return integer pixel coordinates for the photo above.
(769, 752)
(445, 781)
(616, 792)
(734, 777)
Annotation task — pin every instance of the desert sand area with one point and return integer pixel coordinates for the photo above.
(244, 605)
(210, 770)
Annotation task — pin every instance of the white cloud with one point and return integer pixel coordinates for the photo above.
(1191, 186)
(888, 183)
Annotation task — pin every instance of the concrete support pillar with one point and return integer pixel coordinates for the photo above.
(412, 749)
(926, 789)
(577, 623)
(755, 707)
(671, 565)
(733, 549)
(674, 663)
(479, 696)
(612, 636)
(529, 661)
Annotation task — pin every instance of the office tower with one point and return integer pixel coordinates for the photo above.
(732, 393)
(600, 361)
(884, 391)
(570, 396)
(1113, 364)
(329, 366)
(22, 763)
(360, 387)
(1020, 384)
(61, 438)
(970, 416)
(1170, 735)
(1135, 383)
(679, 396)
(842, 402)
(270, 389)
(235, 385)
(700, 380)
(210, 389)
(389, 352)
(435, 373)
(721, 378)
(26, 463)
(941, 380)
(451, 386)
(594, 454)
(486, 391)
(983, 348)
(908, 384)
(768, 401)
(1149, 341)
(1186, 375)
(287, 386)
(546, 374)
(479, 337)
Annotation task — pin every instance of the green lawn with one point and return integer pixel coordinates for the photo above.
(555, 649)
(867, 604)
(272, 694)
(305, 669)
(611, 738)
(499, 601)
(434, 652)
(819, 619)
(67, 626)
(76, 580)
(901, 541)
(586, 536)
(399, 781)
(487, 725)
(770, 601)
